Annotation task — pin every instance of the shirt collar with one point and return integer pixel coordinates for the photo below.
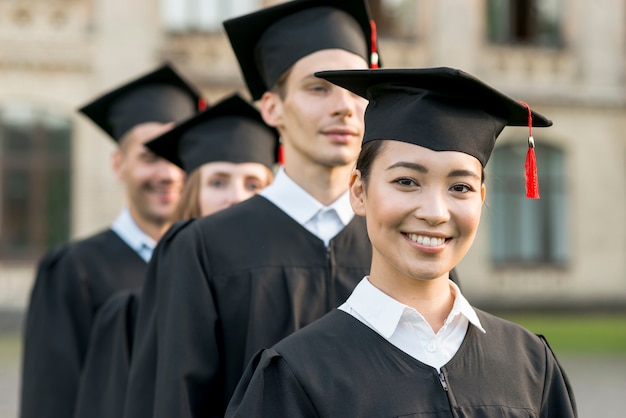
(131, 234)
(462, 307)
(383, 312)
(299, 204)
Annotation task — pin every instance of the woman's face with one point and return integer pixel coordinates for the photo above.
(422, 210)
(223, 184)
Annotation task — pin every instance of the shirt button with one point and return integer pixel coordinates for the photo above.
(431, 347)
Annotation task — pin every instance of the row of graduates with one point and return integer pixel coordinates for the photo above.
(82, 311)
(329, 293)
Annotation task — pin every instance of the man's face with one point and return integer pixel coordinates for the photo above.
(153, 184)
(320, 123)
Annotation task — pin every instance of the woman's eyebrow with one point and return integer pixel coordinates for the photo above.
(463, 173)
(410, 166)
(422, 169)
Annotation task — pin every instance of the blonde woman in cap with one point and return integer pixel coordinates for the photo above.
(228, 153)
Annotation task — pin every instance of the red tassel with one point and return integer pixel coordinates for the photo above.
(281, 155)
(374, 51)
(532, 182)
(201, 104)
(530, 166)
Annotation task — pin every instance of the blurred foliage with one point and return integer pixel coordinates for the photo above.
(577, 333)
(10, 348)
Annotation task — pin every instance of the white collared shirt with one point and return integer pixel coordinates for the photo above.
(322, 221)
(407, 329)
(126, 228)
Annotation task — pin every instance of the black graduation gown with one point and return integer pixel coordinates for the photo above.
(339, 367)
(72, 283)
(102, 387)
(223, 287)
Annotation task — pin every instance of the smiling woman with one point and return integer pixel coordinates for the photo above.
(422, 209)
(407, 342)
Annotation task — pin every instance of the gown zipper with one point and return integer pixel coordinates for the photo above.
(442, 379)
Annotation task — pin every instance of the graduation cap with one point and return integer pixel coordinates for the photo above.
(271, 40)
(159, 96)
(232, 130)
(443, 109)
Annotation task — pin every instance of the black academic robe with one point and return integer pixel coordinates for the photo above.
(102, 387)
(339, 367)
(71, 285)
(224, 286)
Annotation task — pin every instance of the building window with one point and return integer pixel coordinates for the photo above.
(35, 159)
(525, 22)
(395, 18)
(527, 232)
(203, 15)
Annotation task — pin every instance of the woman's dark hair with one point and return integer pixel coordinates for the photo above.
(369, 152)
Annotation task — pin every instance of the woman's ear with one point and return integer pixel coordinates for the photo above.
(483, 192)
(272, 109)
(357, 193)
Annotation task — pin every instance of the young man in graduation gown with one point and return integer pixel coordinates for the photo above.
(74, 280)
(232, 143)
(407, 343)
(226, 285)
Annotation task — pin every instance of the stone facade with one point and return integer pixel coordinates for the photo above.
(61, 53)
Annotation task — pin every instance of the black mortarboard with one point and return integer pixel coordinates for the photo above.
(160, 96)
(232, 130)
(443, 109)
(271, 40)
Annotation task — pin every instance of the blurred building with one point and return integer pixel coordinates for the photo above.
(567, 58)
